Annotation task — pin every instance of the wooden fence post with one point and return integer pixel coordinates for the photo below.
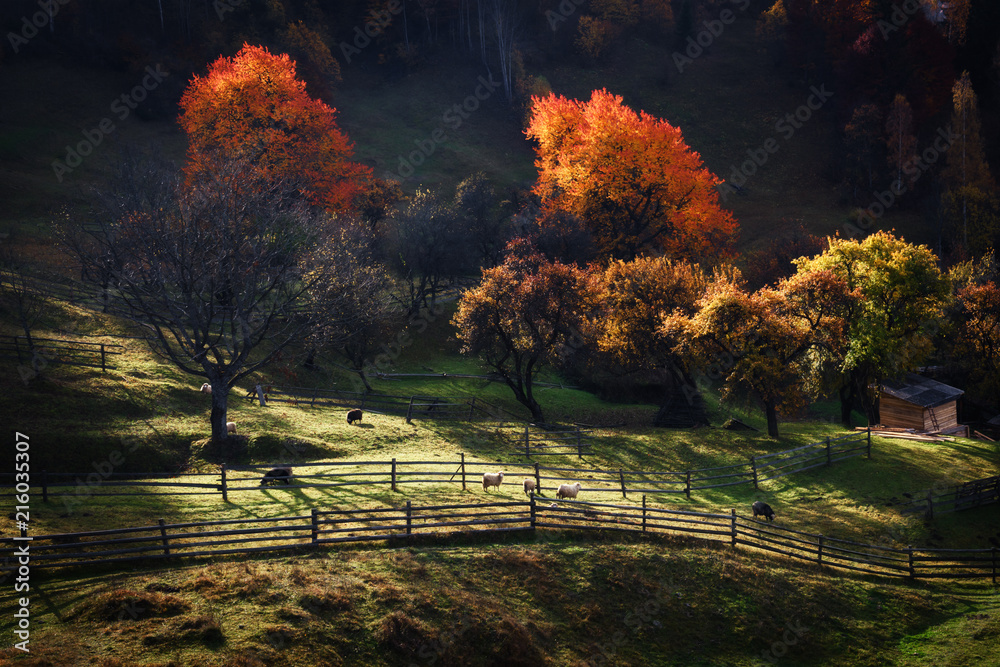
(687, 484)
(532, 510)
(163, 533)
(579, 443)
(869, 441)
(753, 468)
(733, 512)
(930, 506)
(103, 359)
(394, 474)
(463, 471)
(644, 512)
(225, 494)
(538, 479)
(315, 526)
(527, 443)
(819, 552)
(909, 549)
(45, 486)
(409, 410)
(828, 461)
(409, 518)
(621, 476)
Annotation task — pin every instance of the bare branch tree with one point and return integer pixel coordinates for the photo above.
(213, 276)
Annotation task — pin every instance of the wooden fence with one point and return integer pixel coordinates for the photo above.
(395, 473)
(402, 524)
(45, 351)
(965, 496)
(556, 442)
(412, 407)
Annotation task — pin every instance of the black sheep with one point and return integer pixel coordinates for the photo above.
(353, 416)
(762, 509)
(275, 474)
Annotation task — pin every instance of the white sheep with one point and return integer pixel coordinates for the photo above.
(206, 388)
(529, 486)
(492, 479)
(568, 490)
(231, 427)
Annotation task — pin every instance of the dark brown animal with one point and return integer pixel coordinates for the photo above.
(274, 475)
(353, 416)
(762, 509)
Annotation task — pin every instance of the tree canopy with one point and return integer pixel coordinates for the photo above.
(252, 107)
(631, 178)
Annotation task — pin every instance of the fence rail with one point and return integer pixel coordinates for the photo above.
(394, 473)
(44, 351)
(412, 407)
(332, 526)
(966, 495)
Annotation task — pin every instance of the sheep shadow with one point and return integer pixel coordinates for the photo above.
(366, 425)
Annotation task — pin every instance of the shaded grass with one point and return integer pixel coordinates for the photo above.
(577, 598)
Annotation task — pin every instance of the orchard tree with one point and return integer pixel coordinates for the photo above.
(251, 107)
(350, 300)
(522, 315)
(765, 344)
(630, 177)
(635, 297)
(901, 296)
(212, 276)
(429, 247)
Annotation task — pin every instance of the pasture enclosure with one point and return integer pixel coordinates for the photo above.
(400, 525)
(395, 472)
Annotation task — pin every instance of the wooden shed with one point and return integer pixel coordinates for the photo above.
(919, 403)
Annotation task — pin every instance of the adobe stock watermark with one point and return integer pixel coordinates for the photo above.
(697, 44)
(223, 7)
(374, 26)
(562, 13)
(901, 14)
(38, 21)
(786, 126)
(914, 168)
(122, 107)
(452, 118)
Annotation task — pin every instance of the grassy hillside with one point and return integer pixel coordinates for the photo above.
(558, 598)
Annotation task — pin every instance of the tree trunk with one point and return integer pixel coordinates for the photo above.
(772, 418)
(220, 399)
(846, 405)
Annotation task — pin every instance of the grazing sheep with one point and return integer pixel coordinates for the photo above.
(568, 490)
(353, 416)
(762, 509)
(529, 486)
(274, 475)
(206, 388)
(231, 427)
(492, 479)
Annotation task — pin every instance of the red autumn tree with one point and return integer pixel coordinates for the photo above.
(629, 176)
(252, 107)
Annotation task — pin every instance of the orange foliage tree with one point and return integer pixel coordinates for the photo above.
(525, 316)
(771, 344)
(630, 176)
(252, 107)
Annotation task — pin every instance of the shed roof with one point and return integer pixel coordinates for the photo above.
(921, 391)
